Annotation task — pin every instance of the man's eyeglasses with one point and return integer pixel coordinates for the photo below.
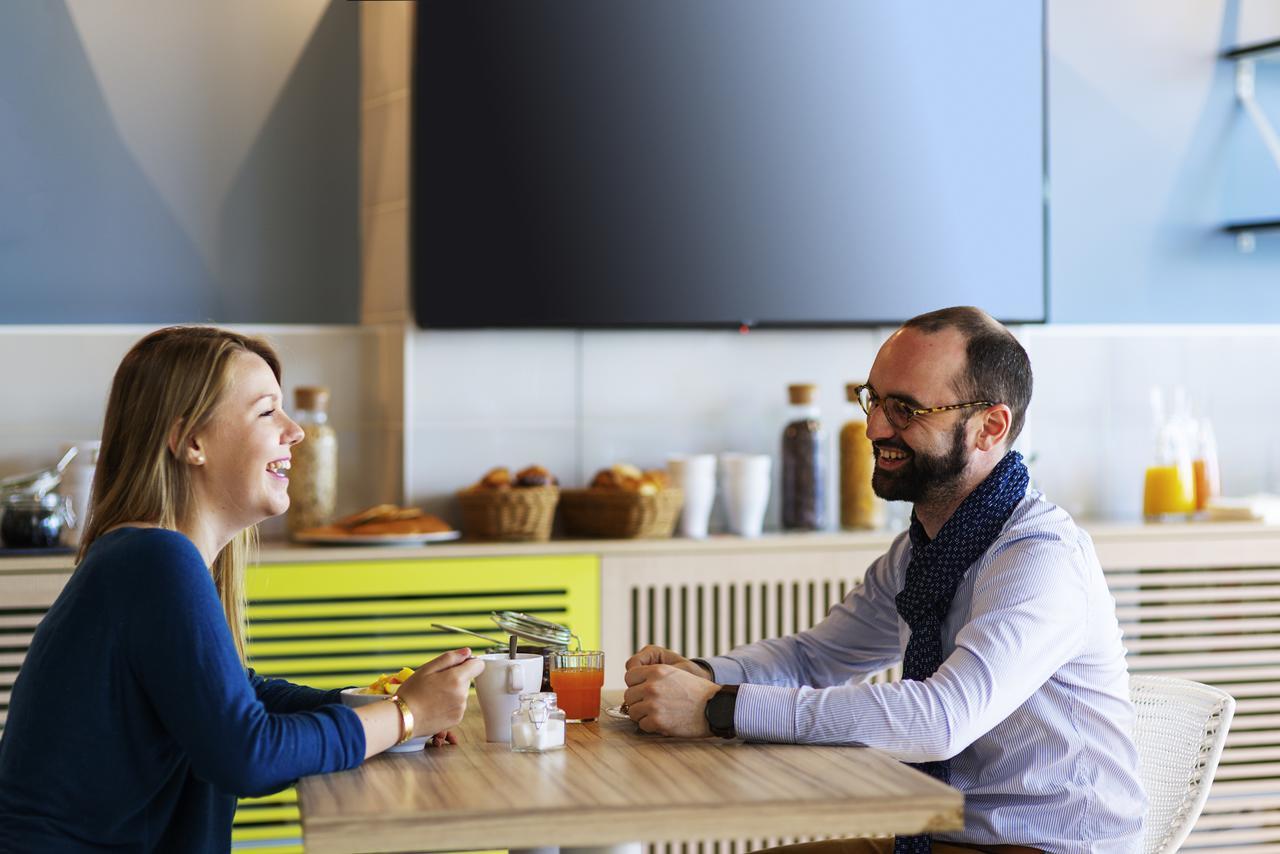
(897, 411)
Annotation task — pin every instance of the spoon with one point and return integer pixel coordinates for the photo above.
(493, 641)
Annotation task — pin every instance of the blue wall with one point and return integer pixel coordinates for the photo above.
(1149, 155)
(177, 162)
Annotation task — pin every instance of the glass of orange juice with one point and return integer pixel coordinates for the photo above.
(577, 677)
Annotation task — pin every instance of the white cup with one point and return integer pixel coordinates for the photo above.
(696, 475)
(499, 687)
(746, 491)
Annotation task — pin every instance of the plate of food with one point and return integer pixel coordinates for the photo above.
(383, 524)
(380, 690)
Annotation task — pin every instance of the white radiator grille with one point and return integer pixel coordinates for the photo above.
(1222, 627)
(702, 619)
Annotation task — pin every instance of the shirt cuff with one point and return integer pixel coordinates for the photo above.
(724, 671)
(766, 713)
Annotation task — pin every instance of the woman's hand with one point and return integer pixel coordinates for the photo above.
(437, 692)
(440, 739)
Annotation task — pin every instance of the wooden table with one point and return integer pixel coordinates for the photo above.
(612, 784)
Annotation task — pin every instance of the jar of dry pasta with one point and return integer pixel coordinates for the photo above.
(313, 474)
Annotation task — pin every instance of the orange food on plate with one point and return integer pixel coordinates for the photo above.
(388, 683)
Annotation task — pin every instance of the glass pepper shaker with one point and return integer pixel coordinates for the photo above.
(537, 726)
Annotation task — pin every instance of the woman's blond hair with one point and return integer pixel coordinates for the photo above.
(166, 388)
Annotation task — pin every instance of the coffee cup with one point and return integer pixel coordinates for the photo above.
(695, 474)
(499, 687)
(746, 491)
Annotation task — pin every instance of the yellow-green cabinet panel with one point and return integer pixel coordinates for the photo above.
(330, 625)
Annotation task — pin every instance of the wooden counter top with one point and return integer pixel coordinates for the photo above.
(278, 552)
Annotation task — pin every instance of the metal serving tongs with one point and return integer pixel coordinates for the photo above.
(493, 641)
(38, 483)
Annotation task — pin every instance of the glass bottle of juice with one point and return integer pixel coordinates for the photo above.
(1169, 490)
(1204, 465)
(803, 469)
(860, 509)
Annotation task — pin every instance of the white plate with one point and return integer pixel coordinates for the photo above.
(377, 539)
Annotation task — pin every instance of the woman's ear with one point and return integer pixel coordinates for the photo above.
(996, 421)
(190, 451)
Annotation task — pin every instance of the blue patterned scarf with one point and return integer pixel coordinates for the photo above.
(936, 569)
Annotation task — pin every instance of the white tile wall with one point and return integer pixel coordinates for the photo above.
(423, 413)
(479, 399)
(1091, 425)
(579, 401)
(55, 381)
(649, 394)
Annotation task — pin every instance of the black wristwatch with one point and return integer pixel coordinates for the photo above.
(719, 711)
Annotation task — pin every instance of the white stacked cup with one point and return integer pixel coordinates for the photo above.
(695, 474)
(747, 480)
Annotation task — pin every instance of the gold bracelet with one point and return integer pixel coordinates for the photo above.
(406, 719)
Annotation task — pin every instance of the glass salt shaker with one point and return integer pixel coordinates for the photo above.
(537, 726)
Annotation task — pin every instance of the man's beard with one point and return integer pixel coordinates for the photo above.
(924, 478)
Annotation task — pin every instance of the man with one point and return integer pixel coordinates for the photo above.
(1015, 688)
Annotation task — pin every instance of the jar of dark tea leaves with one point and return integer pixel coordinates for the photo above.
(803, 462)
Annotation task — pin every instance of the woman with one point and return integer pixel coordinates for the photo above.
(134, 723)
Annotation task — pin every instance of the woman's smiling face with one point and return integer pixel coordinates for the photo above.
(244, 476)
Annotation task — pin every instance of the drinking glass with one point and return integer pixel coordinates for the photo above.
(577, 677)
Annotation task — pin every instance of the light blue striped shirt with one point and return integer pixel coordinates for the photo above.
(1031, 703)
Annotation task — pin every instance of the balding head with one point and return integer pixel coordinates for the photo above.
(996, 366)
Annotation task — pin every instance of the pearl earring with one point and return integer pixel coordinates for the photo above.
(199, 459)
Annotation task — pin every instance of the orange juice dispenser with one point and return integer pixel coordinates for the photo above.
(1169, 491)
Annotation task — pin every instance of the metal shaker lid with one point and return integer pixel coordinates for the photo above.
(535, 629)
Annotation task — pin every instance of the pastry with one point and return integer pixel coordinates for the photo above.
(535, 476)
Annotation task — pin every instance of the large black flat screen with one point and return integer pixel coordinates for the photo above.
(611, 163)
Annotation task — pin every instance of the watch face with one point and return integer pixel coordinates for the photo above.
(720, 710)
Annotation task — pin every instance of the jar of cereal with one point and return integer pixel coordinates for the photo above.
(313, 473)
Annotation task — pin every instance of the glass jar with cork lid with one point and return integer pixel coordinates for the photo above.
(313, 473)
(803, 462)
(860, 509)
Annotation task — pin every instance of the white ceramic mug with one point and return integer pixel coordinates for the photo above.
(746, 491)
(695, 474)
(499, 687)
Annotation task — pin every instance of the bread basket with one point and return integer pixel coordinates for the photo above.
(521, 514)
(615, 514)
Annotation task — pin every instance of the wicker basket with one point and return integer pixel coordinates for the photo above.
(515, 515)
(609, 514)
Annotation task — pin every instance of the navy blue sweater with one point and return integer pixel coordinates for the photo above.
(133, 725)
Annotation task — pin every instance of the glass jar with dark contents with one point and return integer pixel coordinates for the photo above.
(542, 637)
(803, 468)
(34, 521)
